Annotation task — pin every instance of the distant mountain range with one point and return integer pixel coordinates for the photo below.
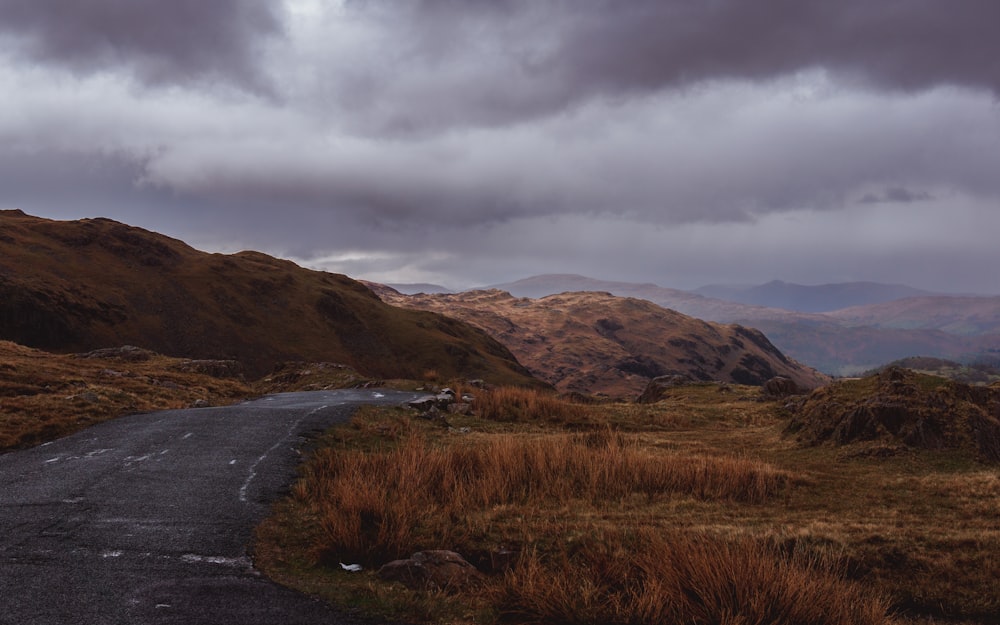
(72, 286)
(594, 342)
(840, 342)
(821, 298)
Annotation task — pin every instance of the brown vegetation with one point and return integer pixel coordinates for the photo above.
(375, 506)
(656, 577)
(44, 396)
(574, 521)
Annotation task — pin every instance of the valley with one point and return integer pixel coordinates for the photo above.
(852, 501)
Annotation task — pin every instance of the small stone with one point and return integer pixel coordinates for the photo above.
(436, 569)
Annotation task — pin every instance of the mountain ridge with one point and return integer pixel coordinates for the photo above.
(842, 342)
(72, 286)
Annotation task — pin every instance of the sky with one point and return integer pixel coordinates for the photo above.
(472, 142)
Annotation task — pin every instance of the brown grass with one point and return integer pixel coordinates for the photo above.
(510, 403)
(374, 506)
(44, 396)
(652, 577)
(844, 536)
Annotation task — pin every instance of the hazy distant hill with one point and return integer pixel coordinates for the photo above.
(820, 298)
(842, 342)
(420, 287)
(79, 285)
(596, 342)
(968, 316)
(693, 304)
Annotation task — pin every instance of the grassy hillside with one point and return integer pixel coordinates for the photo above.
(598, 343)
(44, 396)
(72, 286)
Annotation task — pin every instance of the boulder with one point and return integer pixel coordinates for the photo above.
(432, 570)
(780, 386)
(658, 387)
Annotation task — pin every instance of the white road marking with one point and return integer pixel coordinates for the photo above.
(253, 467)
(188, 435)
(237, 562)
(232, 462)
(130, 460)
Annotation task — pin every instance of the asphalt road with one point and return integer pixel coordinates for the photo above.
(148, 518)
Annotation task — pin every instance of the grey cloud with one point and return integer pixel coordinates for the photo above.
(160, 42)
(896, 194)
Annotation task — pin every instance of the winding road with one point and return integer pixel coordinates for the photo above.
(148, 518)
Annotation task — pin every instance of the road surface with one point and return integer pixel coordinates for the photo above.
(148, 518)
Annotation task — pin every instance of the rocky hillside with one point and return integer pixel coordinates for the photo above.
(599, 343)
(74, 286)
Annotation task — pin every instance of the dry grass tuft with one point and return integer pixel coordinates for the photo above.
(375, 506)
(522, 404)
(650, 577)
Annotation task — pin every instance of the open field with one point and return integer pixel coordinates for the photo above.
(696, 509)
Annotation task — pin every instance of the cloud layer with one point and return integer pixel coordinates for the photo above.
(675, 142)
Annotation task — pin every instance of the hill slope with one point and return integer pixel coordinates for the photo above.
(963, 316)
(599, 343)
(71, 286)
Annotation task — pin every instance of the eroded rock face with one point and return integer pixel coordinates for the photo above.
(126, 353)
(215, 368)
(437, 569)
(900, 406)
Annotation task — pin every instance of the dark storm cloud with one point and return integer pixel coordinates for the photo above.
(904, 44)
(529, 58)
(175, 41)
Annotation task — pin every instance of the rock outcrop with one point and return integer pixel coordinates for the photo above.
(901, 406)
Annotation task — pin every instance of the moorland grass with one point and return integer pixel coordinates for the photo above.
(379, 505)
(654, 516)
